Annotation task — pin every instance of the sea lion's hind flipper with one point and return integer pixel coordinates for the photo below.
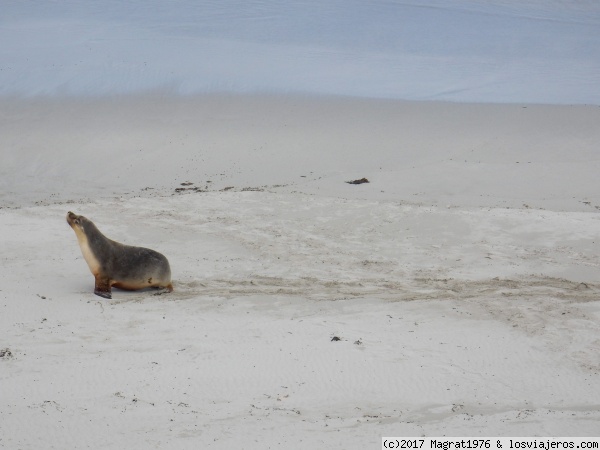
(102, 287)
(163, 289)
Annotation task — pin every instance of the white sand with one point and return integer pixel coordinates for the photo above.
(462, 280)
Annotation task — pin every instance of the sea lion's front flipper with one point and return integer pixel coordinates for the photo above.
(102, 287)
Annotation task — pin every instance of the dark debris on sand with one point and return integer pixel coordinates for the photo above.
(361, 181)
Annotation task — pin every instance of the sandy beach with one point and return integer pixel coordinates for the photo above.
(454, 294)
(382, 219)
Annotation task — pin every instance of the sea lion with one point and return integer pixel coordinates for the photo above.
(118, 265)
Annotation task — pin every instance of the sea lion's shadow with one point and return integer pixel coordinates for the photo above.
(138, 296)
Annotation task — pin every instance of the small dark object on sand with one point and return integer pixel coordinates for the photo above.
(336, 338)
(361, 181)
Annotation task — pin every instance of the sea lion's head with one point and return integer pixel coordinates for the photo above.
(77, 222)
(73, 219)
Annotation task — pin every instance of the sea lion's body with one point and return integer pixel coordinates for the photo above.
(119, 265)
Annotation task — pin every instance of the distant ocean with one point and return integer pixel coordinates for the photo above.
(453, 50)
